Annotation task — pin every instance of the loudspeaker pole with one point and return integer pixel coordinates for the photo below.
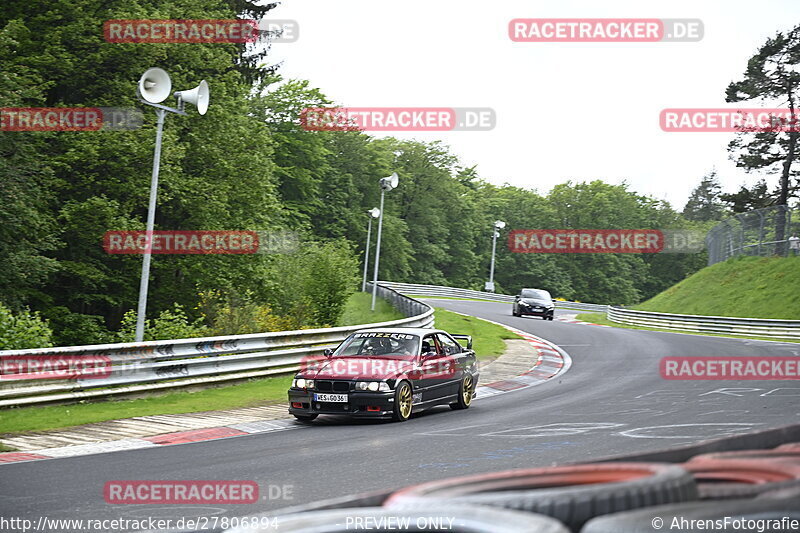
(151, 218)
(154, 87)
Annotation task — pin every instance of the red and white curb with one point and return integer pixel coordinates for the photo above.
(166, 439)
(550, 362)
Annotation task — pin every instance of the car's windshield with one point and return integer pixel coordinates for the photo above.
(378, 344)
(535, 293)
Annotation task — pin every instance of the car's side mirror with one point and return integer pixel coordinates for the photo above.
(327, 353)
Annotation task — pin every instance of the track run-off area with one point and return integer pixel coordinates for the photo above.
(611, 401)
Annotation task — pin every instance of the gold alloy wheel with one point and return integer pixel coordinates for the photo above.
(468, 390)
(404, 399)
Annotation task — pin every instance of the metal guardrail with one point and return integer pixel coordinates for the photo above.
(453, 292)
(789, 329)
(155, 365)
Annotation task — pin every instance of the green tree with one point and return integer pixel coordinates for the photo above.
(704, 203)
(771, 76)
(217, 171)
(27, 224)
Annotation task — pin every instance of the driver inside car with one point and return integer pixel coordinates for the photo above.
(379, 346)
(427, 347)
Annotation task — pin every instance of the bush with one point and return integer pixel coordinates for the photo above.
(331, 276)
(170, 324)
(312, 286)
(235, 315)
(24, 330)
(77, 329)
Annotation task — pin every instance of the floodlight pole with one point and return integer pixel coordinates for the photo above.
(494, 249)
(378, 251)
(366, 256)
(498, 225)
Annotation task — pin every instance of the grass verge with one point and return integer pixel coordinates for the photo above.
(487, 338)
(357, 311)
(249, 394)
(600, 318)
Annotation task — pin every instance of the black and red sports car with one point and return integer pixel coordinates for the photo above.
(387, 373)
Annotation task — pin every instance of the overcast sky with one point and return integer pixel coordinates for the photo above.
(565, 111)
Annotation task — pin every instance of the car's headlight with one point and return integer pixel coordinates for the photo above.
(373, 386)
(299, 383)
(309, 383)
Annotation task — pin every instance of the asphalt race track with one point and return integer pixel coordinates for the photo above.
(611, 401)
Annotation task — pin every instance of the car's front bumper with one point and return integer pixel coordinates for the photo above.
(534, 312)
(361, 404)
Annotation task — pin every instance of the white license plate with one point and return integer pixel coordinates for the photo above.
(342, 398)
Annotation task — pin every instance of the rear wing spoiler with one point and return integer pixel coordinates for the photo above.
(467, 338)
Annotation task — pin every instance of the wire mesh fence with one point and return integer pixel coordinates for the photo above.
(763, 232)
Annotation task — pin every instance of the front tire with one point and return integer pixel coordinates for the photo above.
(465, 392)
(403, 401)
(305, 418)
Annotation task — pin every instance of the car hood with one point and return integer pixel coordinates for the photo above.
(535, 301)
(361, 368)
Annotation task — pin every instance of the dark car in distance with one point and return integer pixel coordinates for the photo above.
(387, 373)
(534, 302)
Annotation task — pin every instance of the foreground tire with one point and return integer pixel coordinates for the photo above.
(662, 517)
(450, 517)
(402, 402)
(465, 392)
(785, 454)
(306, 418)
(572, 494)
(721, 479)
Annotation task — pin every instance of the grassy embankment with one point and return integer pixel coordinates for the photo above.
(753, 287)
(487, 339)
